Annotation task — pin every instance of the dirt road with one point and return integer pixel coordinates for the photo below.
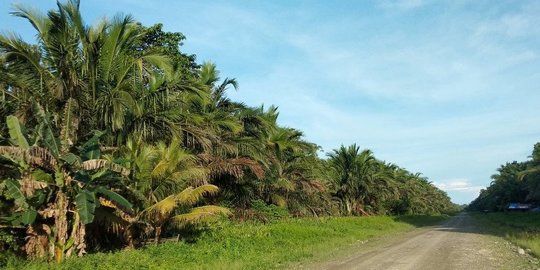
(456, 244)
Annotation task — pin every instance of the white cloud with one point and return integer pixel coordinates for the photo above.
(449, 92)
(458, 185)
(516, 24)
(461, 190)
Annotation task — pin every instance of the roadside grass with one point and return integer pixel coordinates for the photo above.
(248, 245)
(523, 229)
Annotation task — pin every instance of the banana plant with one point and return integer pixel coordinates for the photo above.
(57, 187)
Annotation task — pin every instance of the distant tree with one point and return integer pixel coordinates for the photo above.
(514, 182)
(155, 40)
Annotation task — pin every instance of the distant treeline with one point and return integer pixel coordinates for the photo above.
(112, 134)
(515, 182)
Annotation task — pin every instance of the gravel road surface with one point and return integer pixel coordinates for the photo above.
(455, 244)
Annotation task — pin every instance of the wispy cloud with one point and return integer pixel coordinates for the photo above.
(434, 100)
(458, 185)
(447, 88)
(519, 23)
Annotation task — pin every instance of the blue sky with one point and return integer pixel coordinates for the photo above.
(446, 88)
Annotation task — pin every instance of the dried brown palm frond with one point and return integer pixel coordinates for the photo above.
(28, 186)
(111, 221)
(232, 166)
(313, 186)
(120, 210)
(37, 240)
(96, 164)
(49, 212)
(34, 155)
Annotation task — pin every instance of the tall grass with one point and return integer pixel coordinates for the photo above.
(247, 245)
(521, 228)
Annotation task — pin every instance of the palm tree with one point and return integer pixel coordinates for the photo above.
(93, 67)
(160, 170)
(531, 176)
(344, 163)
(164, 177)
(285, 151)
(360, 180)
(163, 212)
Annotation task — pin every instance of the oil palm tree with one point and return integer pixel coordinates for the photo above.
(169, 181)
(177, 210)
(353, 173)
(93, 66)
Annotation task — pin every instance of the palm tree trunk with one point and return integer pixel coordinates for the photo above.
(157, 237)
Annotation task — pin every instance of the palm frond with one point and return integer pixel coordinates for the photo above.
(96, 164)
(160, 210)
(35, 17)
(191, 195)
(109, 221)
(232, 166)
(279, 200)
(35, 155)
(200, 214)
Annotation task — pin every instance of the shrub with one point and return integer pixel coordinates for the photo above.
(268, 212)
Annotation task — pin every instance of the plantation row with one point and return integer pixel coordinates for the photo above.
(113, 135)
(515, 182)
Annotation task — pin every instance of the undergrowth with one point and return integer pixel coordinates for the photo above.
(522, 229)
(247, 245)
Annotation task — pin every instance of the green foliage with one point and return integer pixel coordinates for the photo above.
(155, 40)
(70, 124)
(36, 191)
(120, 133)
(12, 190)
(90, 149)
(28, 217)
(266, 213)
(11, 260)
(365, 185)
(86, 205)
(278, 245)
(46, 133)
(521, 228)
(7, 239)
(10, 245)
(515, 182)
(113, 196)
(16, 132)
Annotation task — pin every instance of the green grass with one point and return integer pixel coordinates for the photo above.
(248, 245)
(522, 229)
